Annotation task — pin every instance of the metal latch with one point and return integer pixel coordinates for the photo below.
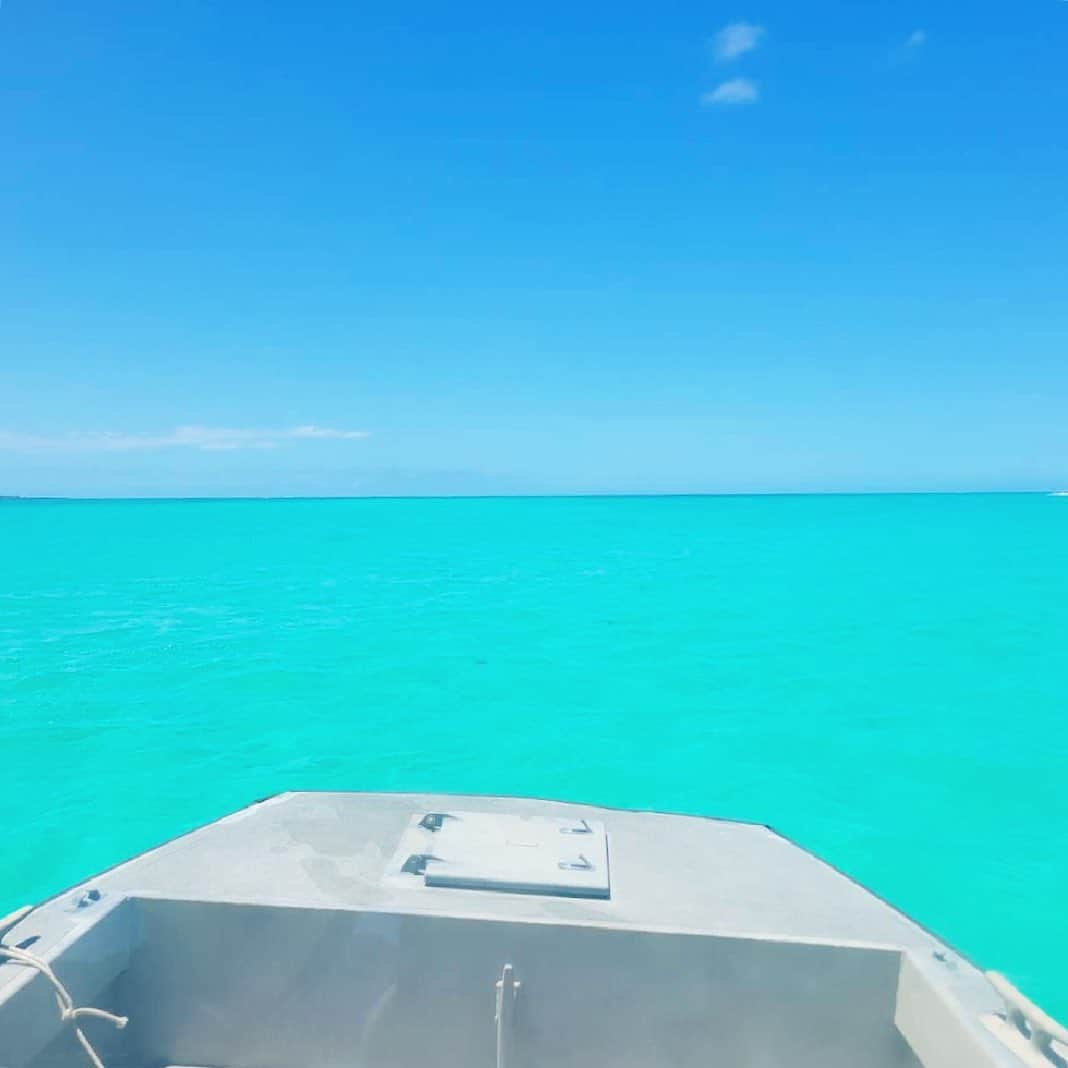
(417, 862)
(582, 864)
(582, 828)
(507, 991)
(433, 821)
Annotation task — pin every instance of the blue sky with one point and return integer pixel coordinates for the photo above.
(328, 248)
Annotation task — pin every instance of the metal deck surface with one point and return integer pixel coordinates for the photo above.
(669, 873)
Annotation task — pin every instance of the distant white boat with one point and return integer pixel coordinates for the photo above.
(1059, 493)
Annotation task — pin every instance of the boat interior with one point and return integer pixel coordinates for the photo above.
(217, 985)
(405, 931)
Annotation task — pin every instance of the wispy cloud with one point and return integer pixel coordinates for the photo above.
(205, 438)
(908, 49)
(735, 39)
(310, 431)
(736, 91)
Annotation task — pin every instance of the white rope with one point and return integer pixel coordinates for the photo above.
(67, 1012)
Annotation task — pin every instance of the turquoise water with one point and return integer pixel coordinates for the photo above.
(882, 678)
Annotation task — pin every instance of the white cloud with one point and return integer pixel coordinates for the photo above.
(310, 431)
(916, 39)
(184, 437)
(735, 39)
(736, 91)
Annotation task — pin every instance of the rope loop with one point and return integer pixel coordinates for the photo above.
(68, 1014)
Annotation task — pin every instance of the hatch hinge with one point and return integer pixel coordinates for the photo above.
(417, 862)
(432, 821)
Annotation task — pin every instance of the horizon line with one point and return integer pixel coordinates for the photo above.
(9, 498)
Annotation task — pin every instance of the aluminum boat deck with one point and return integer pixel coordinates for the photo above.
(327, 930)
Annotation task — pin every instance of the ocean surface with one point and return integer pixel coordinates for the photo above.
(883, 678)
